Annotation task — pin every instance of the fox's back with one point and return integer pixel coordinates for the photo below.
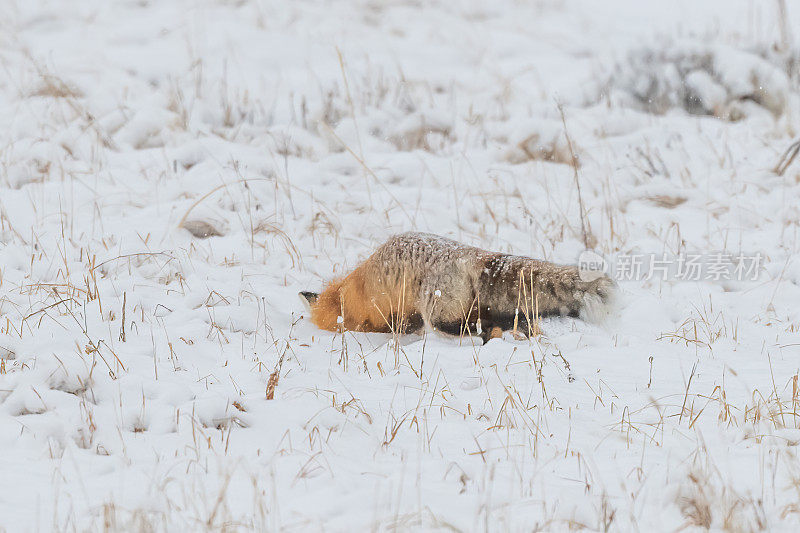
(424, 259)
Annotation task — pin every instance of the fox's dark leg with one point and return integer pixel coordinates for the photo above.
(450, 328)
(488, 329)
(478, 321)
(413, 324)
(505, 321)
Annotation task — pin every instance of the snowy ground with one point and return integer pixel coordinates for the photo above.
(136, 357)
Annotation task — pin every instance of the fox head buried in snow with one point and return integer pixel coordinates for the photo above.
(308, 298)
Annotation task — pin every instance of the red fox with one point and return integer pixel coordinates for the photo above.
(420, 281)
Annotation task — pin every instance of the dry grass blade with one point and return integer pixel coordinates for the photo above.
(370, 172)
(272, 383)
(212, 191)
(5, 353)
(274, 377)
(787, 158)
(588, 240)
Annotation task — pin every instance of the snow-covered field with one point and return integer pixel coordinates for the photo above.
(172, 173)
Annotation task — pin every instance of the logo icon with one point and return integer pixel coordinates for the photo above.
(591, 266)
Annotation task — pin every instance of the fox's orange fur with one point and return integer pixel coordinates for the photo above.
(363, 303)
(418, 280)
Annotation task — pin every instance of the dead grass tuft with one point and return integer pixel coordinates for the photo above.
(666, 201)
(52, 86)
(202, 229)
(707, 503)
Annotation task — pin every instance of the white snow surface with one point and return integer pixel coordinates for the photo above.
(295, 137)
